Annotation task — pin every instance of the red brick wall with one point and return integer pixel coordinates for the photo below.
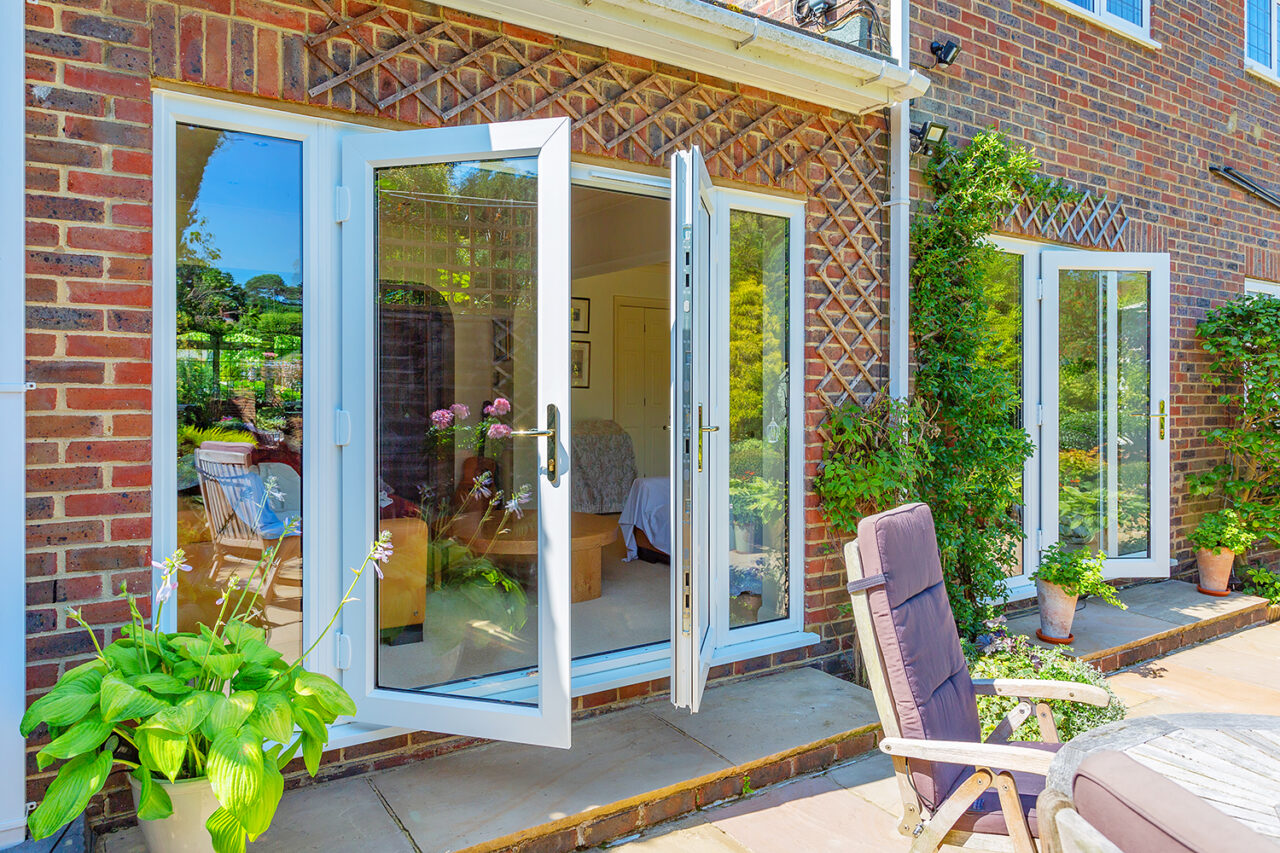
(91, 65)
(1144, 125)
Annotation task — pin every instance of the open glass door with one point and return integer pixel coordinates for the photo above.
(692, 454)
(455, 340)
(1105, 377)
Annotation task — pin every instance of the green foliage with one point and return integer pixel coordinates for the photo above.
(1077, 572)
(999, 655)
(1243, 336)
(1223, 529)
(1263, 583)
(966, 381)
(188, 705)
(191, 437)
(872, 460)
(755, 498)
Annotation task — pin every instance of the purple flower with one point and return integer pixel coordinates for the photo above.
(501, 406)
(499, 431)
(512, 507)
(168, 587)
(441, 418)
(460, 411)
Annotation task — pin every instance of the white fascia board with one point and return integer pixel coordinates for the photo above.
(713, 40)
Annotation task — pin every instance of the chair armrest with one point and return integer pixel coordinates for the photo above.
(1034, 688)
(990, 755)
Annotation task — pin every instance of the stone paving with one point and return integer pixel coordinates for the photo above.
(854, 807)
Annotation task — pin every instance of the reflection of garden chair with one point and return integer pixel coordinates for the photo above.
(928, 703)
(242, 524)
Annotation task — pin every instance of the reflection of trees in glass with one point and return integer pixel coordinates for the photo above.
(758, 406)
(1093, 392)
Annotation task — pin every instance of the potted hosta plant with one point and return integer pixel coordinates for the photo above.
(742, 502)
(1064, 576)
(1219, 537)
(204, 721)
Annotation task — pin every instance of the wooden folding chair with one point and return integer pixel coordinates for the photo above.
(953, 785)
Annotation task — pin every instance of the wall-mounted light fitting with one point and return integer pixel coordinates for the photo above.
(927, 136)
(944, 53)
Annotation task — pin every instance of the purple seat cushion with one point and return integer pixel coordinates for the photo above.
(1141, 811)
(925, 666)
(985, 815)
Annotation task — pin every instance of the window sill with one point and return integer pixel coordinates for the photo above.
(1119, 29)
(1261, 72)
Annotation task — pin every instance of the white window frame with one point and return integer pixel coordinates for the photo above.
(1271, 72)
(320, 139)
(1256, 286)
(1111, 21)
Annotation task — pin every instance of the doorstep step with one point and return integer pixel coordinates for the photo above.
(628, 770)
(1161, 618)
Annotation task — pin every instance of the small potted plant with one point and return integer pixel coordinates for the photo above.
(742, 503)
(1064, 576)
(204, 721)
(1219, 537)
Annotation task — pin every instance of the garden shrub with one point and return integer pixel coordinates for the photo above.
(996, 654)
(968, 387)
(1243, 336)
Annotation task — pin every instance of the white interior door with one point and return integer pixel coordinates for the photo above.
(1105, 381)
(693, 634)
(455, 384)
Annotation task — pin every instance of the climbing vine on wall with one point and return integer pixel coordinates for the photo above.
(965, 379)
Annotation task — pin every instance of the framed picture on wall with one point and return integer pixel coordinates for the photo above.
(579, 364)
(579, 315)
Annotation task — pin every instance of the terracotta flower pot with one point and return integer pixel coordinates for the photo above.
(1057, 611)
(1215, 570)
(183, 831)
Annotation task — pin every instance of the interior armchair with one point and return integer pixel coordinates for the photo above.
(953, 784)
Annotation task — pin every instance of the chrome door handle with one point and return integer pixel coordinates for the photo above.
(550, 433)
(1161, 415)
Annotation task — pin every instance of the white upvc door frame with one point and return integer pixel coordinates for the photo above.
(696, 420)
(13, 404)
(543, 719)
(319, 139)
(733, 641)
(1052, 261)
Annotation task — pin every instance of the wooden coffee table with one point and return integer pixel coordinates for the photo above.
(590, 534)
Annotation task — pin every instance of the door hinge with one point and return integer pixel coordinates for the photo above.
(1039, 288)
(341, 205)
(1039, 414)
(341, 428)
(1039, 541)
(342, 652)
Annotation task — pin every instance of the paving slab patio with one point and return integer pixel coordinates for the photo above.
(1153, 609)
(854, 806)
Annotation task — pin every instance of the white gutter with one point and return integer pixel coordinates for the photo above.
(900, 213)
(709, 39)
(13, 649)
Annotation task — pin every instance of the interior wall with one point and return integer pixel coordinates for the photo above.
(650, 281)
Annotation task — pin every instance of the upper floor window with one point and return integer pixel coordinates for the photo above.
(1254, 287)
(1128, 17)
(1262, 35)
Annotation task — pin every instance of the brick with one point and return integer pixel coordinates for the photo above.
(109, 186)
(99, 399)
(63, 426)
(56, 534)
(63, 263)
(61, 645)
(131, 373)
(125, 476)
(110, 558)
(59, 152)
(131, 214)
(669, 806)
(65, 100)
(63, 371)
(613, 826)
(136, 322)
(108, 346)
(126, 529)
(63, 319)
(63, 46)
(106, 82)
(69, 209)
(108, 293)
(109, 239)
(106, 29)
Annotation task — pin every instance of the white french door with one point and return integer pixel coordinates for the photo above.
(455, 402)
(696, 420)
(1104, 376)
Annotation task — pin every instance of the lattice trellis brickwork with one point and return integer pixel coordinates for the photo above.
(1092, 221)
(432, 72)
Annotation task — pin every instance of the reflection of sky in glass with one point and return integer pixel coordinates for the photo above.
(249, 199)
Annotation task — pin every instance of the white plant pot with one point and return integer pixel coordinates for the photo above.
(183, 831)
(771, 604)
(744, 536)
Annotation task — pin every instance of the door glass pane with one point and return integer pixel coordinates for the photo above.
(1258, 30)
(1104, 399)
(239, 375)
(456, 273)
(759, 411)
(1004, 319)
